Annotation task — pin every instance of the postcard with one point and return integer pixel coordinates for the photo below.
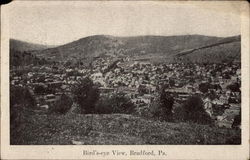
(125, 80)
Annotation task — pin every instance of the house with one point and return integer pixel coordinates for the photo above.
(180, 94)
(56, 84)
(96, 76)
(50, 99)
(208, 106)
(189, 88)
(228, 117)
(98, 79)
(146, 98)
(223, 99)
(44, 106)
(238, 72)
(106, 90)
(218, 102)
(235, 106)
(224, 123)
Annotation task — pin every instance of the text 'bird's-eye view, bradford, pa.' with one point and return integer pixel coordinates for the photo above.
(124, 75)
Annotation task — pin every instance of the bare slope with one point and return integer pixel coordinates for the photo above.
(225, 50)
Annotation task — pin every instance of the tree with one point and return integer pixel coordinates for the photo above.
(212, 95)
(62, 105)
(166, 102)
(163, 105)
(39, 89)
(68, 63)
(171, 82)
(117, 103)
(194, 110)
(21, 96)
(20, 100)
(122, 104)
(235, 87)
(103, 106)
(86, 95)
(237, 121)
(203, 87)
(142, 89)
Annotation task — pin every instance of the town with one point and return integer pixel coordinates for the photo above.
(140, 80)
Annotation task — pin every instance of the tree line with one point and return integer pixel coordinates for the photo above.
(86, 96)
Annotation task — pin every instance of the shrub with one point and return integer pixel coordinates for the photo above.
(121, 104)
(237, 121)
(40, 89)
(234, 87)
(157, 111)
(104, 106)
(167, 102)
(86, 95)
(143, 111)
(179, 113)
(21, 96)
(62, 106)
(117, 103)
(21, 100)
(203, 87)
(194, 110)
(162, 106)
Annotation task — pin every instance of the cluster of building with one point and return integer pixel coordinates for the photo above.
(141, 81)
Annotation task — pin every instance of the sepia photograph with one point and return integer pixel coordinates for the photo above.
(123, 73)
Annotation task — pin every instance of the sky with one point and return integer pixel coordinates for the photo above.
(56, 23)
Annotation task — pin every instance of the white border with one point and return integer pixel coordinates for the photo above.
(75, 152)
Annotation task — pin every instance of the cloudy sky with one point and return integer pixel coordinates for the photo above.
(58, 22)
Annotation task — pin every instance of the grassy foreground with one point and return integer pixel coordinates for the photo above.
(49, 129)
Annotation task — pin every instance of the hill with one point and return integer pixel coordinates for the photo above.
(116, 129)
(185, 48)
(22, 53)
(103, 45)
(225, 50)
(22, 46)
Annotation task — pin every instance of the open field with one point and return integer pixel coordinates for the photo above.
(41, 128)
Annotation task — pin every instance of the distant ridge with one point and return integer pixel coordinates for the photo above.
(225, 50)
(181, 48)
(22, 46)
(221, 42)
